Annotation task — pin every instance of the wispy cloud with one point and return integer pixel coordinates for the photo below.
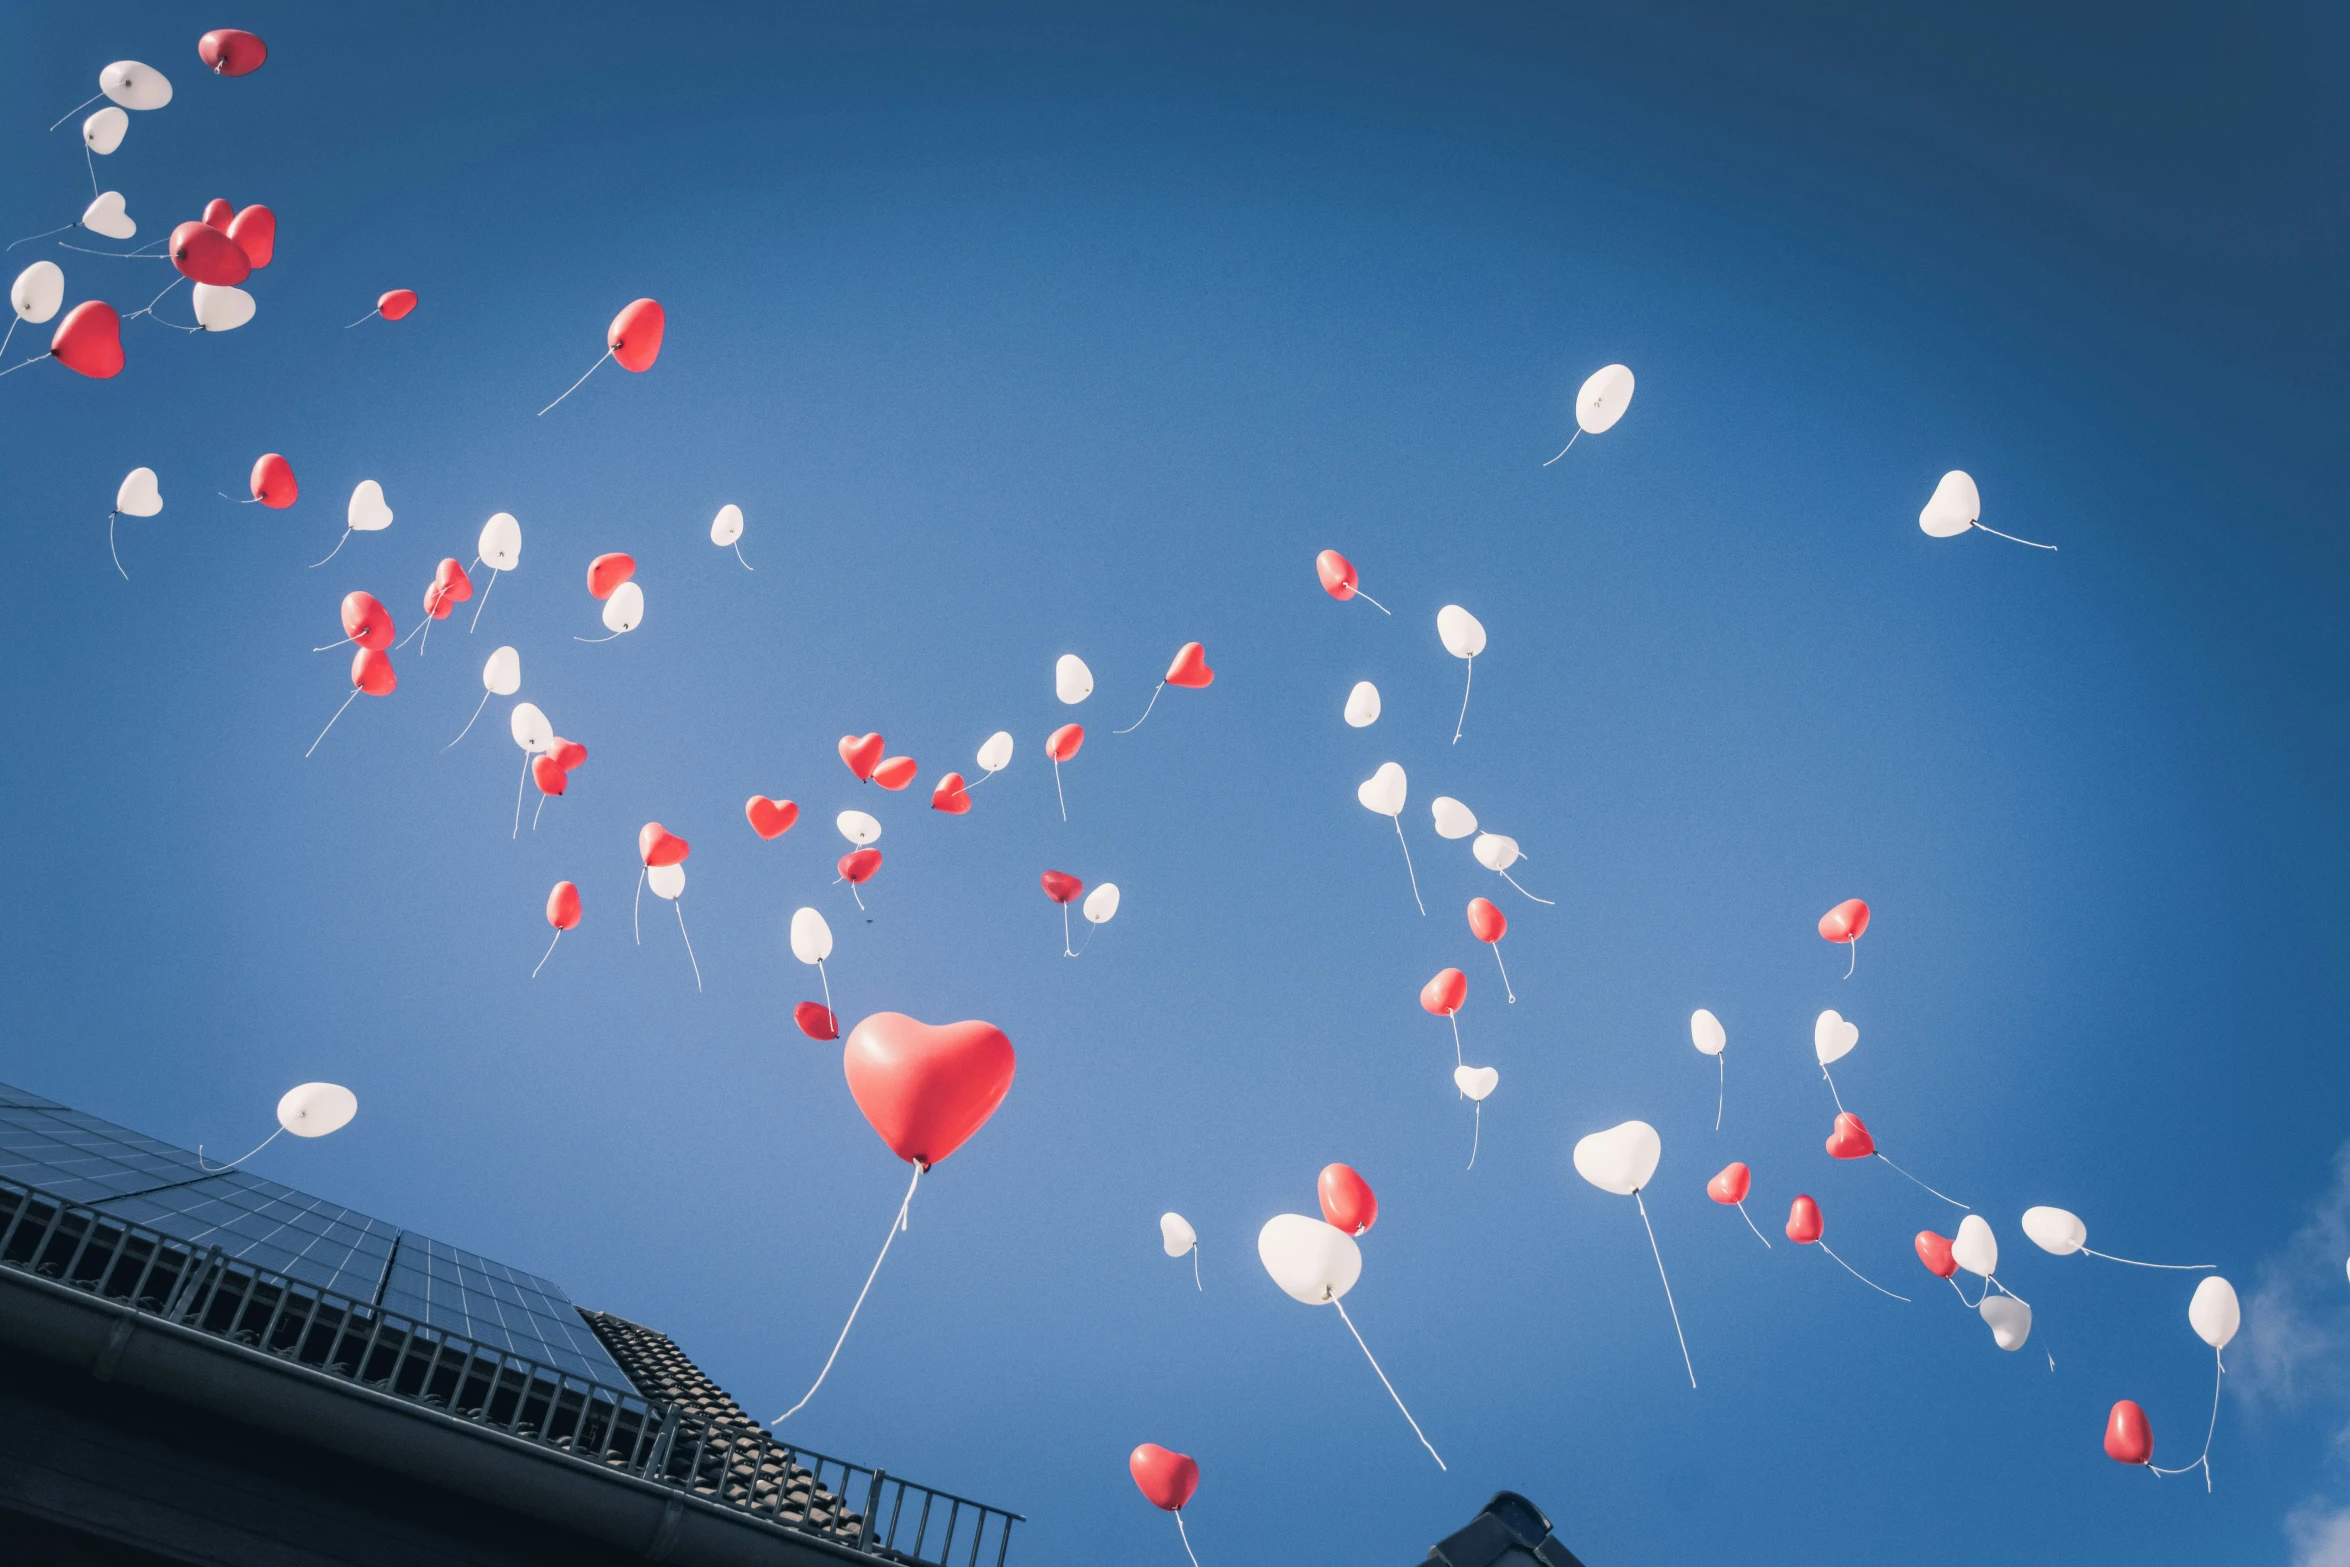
(2297, 1318)
(2320, 1535)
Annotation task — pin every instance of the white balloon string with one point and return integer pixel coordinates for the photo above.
(148, 308)
(91, 164)
(2012, 539)
(1065, 952)
(337, 550)
(1854, 961)
(1905, 1175)
(1570, 446)
(1864, 1278)
(29, 238)
(462, 733)
(485, 599)
(1374, 603)
(1545, 902)
(1505, 974)
(119, 255)
(984, 775)
(21, 363)
(517, 832)
(1668, 1284)
(895, 1225)
(1722, 1092)
(1383, 1382)
(412, 631)
(738, 555)
(861, 906)
(1832, 1094)
(1090, 927)
(2204, 1462)
(592, 640)
(224, 495)
(1407, 865)
(636, 910)
(215, 1169)
(1758, 1235)
(110, 549)
(330, 723)
(541, 811)
(2175, 1267)
(363, 320)
(1454, 1018)
(550, 952)
(576, 385)
(1064, 798)
(1184, 1537)
(346, 642)
(1960, 1293)
(1146, 712)
(1476, 1131)
(689, 942)
(826, 982)
(1470, 681)
(76, 109)
(6, 337)
(1195, 1283)
(1975, 1304)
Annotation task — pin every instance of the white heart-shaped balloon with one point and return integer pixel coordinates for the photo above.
(315, 1109)
(1176, 1234)
(996, 755)
(1462, 633)
(1954, 507)
(1975, 1248)
(811, 938)
(102, 132)
(220, 308)
(1603, 399)
(502, 675)
(667, 881)
(1102, 903)
(137, 495)
(1362, 703)
(1495, 851)
(2213, 1312)
(1313, 1262)
(727, 526)
(2010, 1319)
(500, 544)
(38, 291)
(1707, 1034)
(135, 86)
(1453, 819)
(859, 828)
(531, 730)
(109, 217)
(1072, 681)
(1620, 1159)
(1832, 1038)
(1383, 791)
(367, 512)
(2056, 1231)
(1475, 1081)
(625, 609)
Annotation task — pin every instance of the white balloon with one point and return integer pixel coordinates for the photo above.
(859, 828)
(531, 730)
(1462, 633)
(108, 216)
(367, 512)
(38, 292)
(1620, 1159)
(667, 881)
(1832, 1038)
(2214, 1313)
(1383, 791)
(1475, 1081)
(1453, 819)
(1313, 1262)
(1072, 681)
(996, 755)
(811, 938)
(1954, 507)
(502, 674)
(315, 1109)
(2010, 1319)
(1176, 1234)
(1603, 399)
(2055, 1231)
(1362, 703)
(1494, 851)
(1975, 1248)
(1707, 1034)
(135, 86)
(220, 308)
(102, 132)
(137, 495)
(727, 526)
(500, 544)
(1102, 903)
(625, 609)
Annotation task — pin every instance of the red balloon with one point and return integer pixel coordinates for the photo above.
(566, 754)
(1190, 669)
(816, 1020)
(657, 845)
(563, 906)
(950, 796)
(925, 1089)
(2129, 1436)
(1934, 1252)
(89, 340)
(635, 335)
(607, 572)
(366, 621)
(1061, 888)
(219, 214)
(858, 865)
(450, 588)
(255, 231)
(1337, 574)
(231, 51)
(772, 819)
(396, 304)
(1732, 1185)
(1804, 1224)
(1167, 1479)
(1850, 1139)
(273, 482)
(1444, 994)
(372, 673)
(205, 254)
(1348, 1202)
(548, 774)
(1845, 922)
(1063, 742)
(1487, 923)
(895, 772)
(861, 754)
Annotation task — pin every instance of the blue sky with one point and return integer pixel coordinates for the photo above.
(1024, 330)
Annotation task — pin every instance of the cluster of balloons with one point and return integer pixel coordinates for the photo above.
(662, 854)
(611, 578)
(1100, 905)
(367, 624)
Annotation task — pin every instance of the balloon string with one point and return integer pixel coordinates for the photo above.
(1570, 446)
(1854, 962)
(1668, 1283)
(1505, 976)
(1545, 902)
(91, 164)
(2204, 1462)
(689, 943)
(363, 320)
(738, 555)
(21, 363)
(542, 807)
(592, 640)
(1476, 1131)
(826, 982)
(567, 391)
(861, 907)
(895, 1225)
(1065, 952)
(29, 238)
(1454, 1018)
(1359, 593)
(76, 109)
(550, 952)
(215, 1169)
(119, 255)
(1146, 712)
(330, 723)
(517, 832)
(1960, 1293)
(462, 733)
(346, 642)
(2012, 539)
(2176, 1267)
(984, 775)
(110, 549)
(1407, 865)
(1465, 685)
(1064, 798)
(412, 631)
(1954, 1202)
(337, 550)
(485, 599)
(224, 495)
(5, 337)
(148, 308)
(1759, 1235)
(1864, 1278)
(1722, 1092)
(1195, 1283)
(1383, 1382)
(1091, 926)
(1832, 1094)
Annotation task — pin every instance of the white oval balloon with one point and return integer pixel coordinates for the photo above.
(1604, 397)
(727, 526)
(531, 730)
(859, 828)
(135, 86)
(996, 755)
(625, 609)
(1072, 681)
(38, 292)
(500, 544)
(137, 495)
(1101, 904)
(1495, 851)
(2010, 1319)
(1620, 1159)
(501, 675)
(367, 512)
(811, 938)
(1384, 790)
(315, 1109)
(667, 881)
(220, 308)
(102, 132)
(1313, 1262)
(1453, 819)
(1176, 1234)
(1362, 705)
(2214, 1313)
(1975, 1248)
(1953, 508)
(1462, 633)
(1475, 1081)
(1707, 1034)
(1832, 1038)
(2055, 1231)
(107, 215)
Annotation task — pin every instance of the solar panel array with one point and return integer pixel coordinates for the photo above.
(86, 1160)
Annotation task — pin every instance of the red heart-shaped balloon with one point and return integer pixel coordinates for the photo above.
(563, 906)
(1190, 669)
(89, 340)
(1060, 886)
(1732, 1185)
(858, 865)
(1845, 922)
(657, 845)
(635, 334)
(1063, 742)
(607, 572)
(925, 1089)
(2129, 1436)
(1934, 1252)
(950, 796)
(1804, 1224)
(1486, 922)
(255, 231)
(366, 621)
(396, 304)
(894, 772)
(218, 213)
(1348, 1202)
(451, 576)
(372, 672)
(566, 754)
(1337, 574)
(273, 482)
(205, 254)
(439, 603)
(1444, 994)
(772, 819)
(1167, 1479)
(231, 51)
(550, 777)
(1850, 1139)
(816, 1020)
(861, 754)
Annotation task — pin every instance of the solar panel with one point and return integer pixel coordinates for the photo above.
(315, 1242)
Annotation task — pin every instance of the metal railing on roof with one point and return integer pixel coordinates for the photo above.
(744, 1471)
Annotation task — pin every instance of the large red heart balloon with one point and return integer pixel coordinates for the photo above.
(607, 572)
(372, 672)
(657, 845)
(1934, 1252)
(548, 775)
(205, 254)
(1348, 1202)
(2129, 1436)
(255, 231)
(1850, 1139)
(950, 796)
(1063, 742)
(563, 906)
(1845, 922)
(1732, 1185)
(566, 754)
(366, 621)
(1804, 1224)
(89, 340)
(861, 754)
(273, 482)
(1060, 886)
(231, 51)
(396, 304)
(858, 865)
(218, 213)
(1167, 1479)
(894, 772)
(925, 1089)
(1190, 669)
(771, 819)
(816, 1020)
(1444, 994)
(1486, 922)
(635, 334)
(1337, 574)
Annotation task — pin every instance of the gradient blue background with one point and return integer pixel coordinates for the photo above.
(1020, 330)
